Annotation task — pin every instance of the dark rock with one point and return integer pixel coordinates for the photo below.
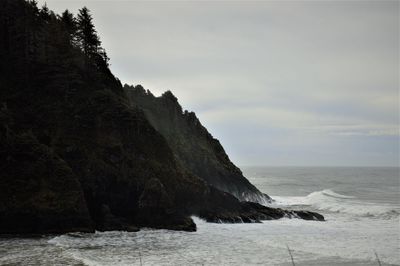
(38, 191)
(77, 155)
(307, 215)
(131, 228)
(155, 196)
(157, 210)
(234, 211)
(194, 147)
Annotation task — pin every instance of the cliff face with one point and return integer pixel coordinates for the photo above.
(39, 193)
(194, 147)
(75, 155)
(99, 165)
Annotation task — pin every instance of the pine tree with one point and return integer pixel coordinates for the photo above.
(70, 25)
(44, 13)
(87, 36)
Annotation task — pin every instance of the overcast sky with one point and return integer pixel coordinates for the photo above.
(278, 83)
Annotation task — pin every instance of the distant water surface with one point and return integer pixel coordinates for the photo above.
(361, 205)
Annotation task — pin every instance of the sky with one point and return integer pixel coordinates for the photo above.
(301, 83)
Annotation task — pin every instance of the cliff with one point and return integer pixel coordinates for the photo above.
(193, 146)
(75, 155)
(39, 193)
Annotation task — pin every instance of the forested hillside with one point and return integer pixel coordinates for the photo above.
(75, 155)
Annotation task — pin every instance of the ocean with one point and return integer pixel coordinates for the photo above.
(361, 206)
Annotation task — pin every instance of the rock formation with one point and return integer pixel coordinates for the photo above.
(193, 146)
(76, 155)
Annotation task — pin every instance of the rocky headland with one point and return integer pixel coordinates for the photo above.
(80, 152)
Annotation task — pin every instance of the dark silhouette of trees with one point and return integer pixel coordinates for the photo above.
(89, 41)
(45, 13)
(87, 36)
(59, 54)
(70, 26)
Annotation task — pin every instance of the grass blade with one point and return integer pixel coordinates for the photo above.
(291, 256)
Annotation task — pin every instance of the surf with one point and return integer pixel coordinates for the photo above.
(328, 200)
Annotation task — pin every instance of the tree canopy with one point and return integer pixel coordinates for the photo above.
(87, 36)
(35, 42)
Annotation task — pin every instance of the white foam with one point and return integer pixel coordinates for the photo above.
(328, 200)
(337, 240)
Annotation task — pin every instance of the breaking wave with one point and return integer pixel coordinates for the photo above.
(329, 201)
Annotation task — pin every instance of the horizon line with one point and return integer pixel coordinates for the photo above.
(325, 166)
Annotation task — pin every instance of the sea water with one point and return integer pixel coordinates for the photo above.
(361, 207)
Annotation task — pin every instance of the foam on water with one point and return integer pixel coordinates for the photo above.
(328, 200)
(358, 223)
(335, 242)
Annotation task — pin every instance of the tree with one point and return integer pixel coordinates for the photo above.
(87, 37)
(45, 13)
(70, 25)
(89, 41)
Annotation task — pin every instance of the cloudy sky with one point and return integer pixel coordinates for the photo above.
(278, 83)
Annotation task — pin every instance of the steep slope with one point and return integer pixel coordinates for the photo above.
(100, 151)
(75, 155)
(39, 193)
(193, 146)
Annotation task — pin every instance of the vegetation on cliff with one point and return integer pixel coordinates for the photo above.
(75, 154)
(194, 147)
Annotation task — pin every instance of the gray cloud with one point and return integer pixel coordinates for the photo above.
(313, 83)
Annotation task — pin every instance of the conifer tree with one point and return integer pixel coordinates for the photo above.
(70, 25)
(87, 36)
(45, 13)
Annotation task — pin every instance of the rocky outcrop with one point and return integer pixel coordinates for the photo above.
(250, 212)
(220, 207)
(76, 155)
(193, 146)
(158, 210)
(39, 193)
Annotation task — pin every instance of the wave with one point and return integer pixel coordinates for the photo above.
(98, 249)
(333, 194)
(330, 201)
